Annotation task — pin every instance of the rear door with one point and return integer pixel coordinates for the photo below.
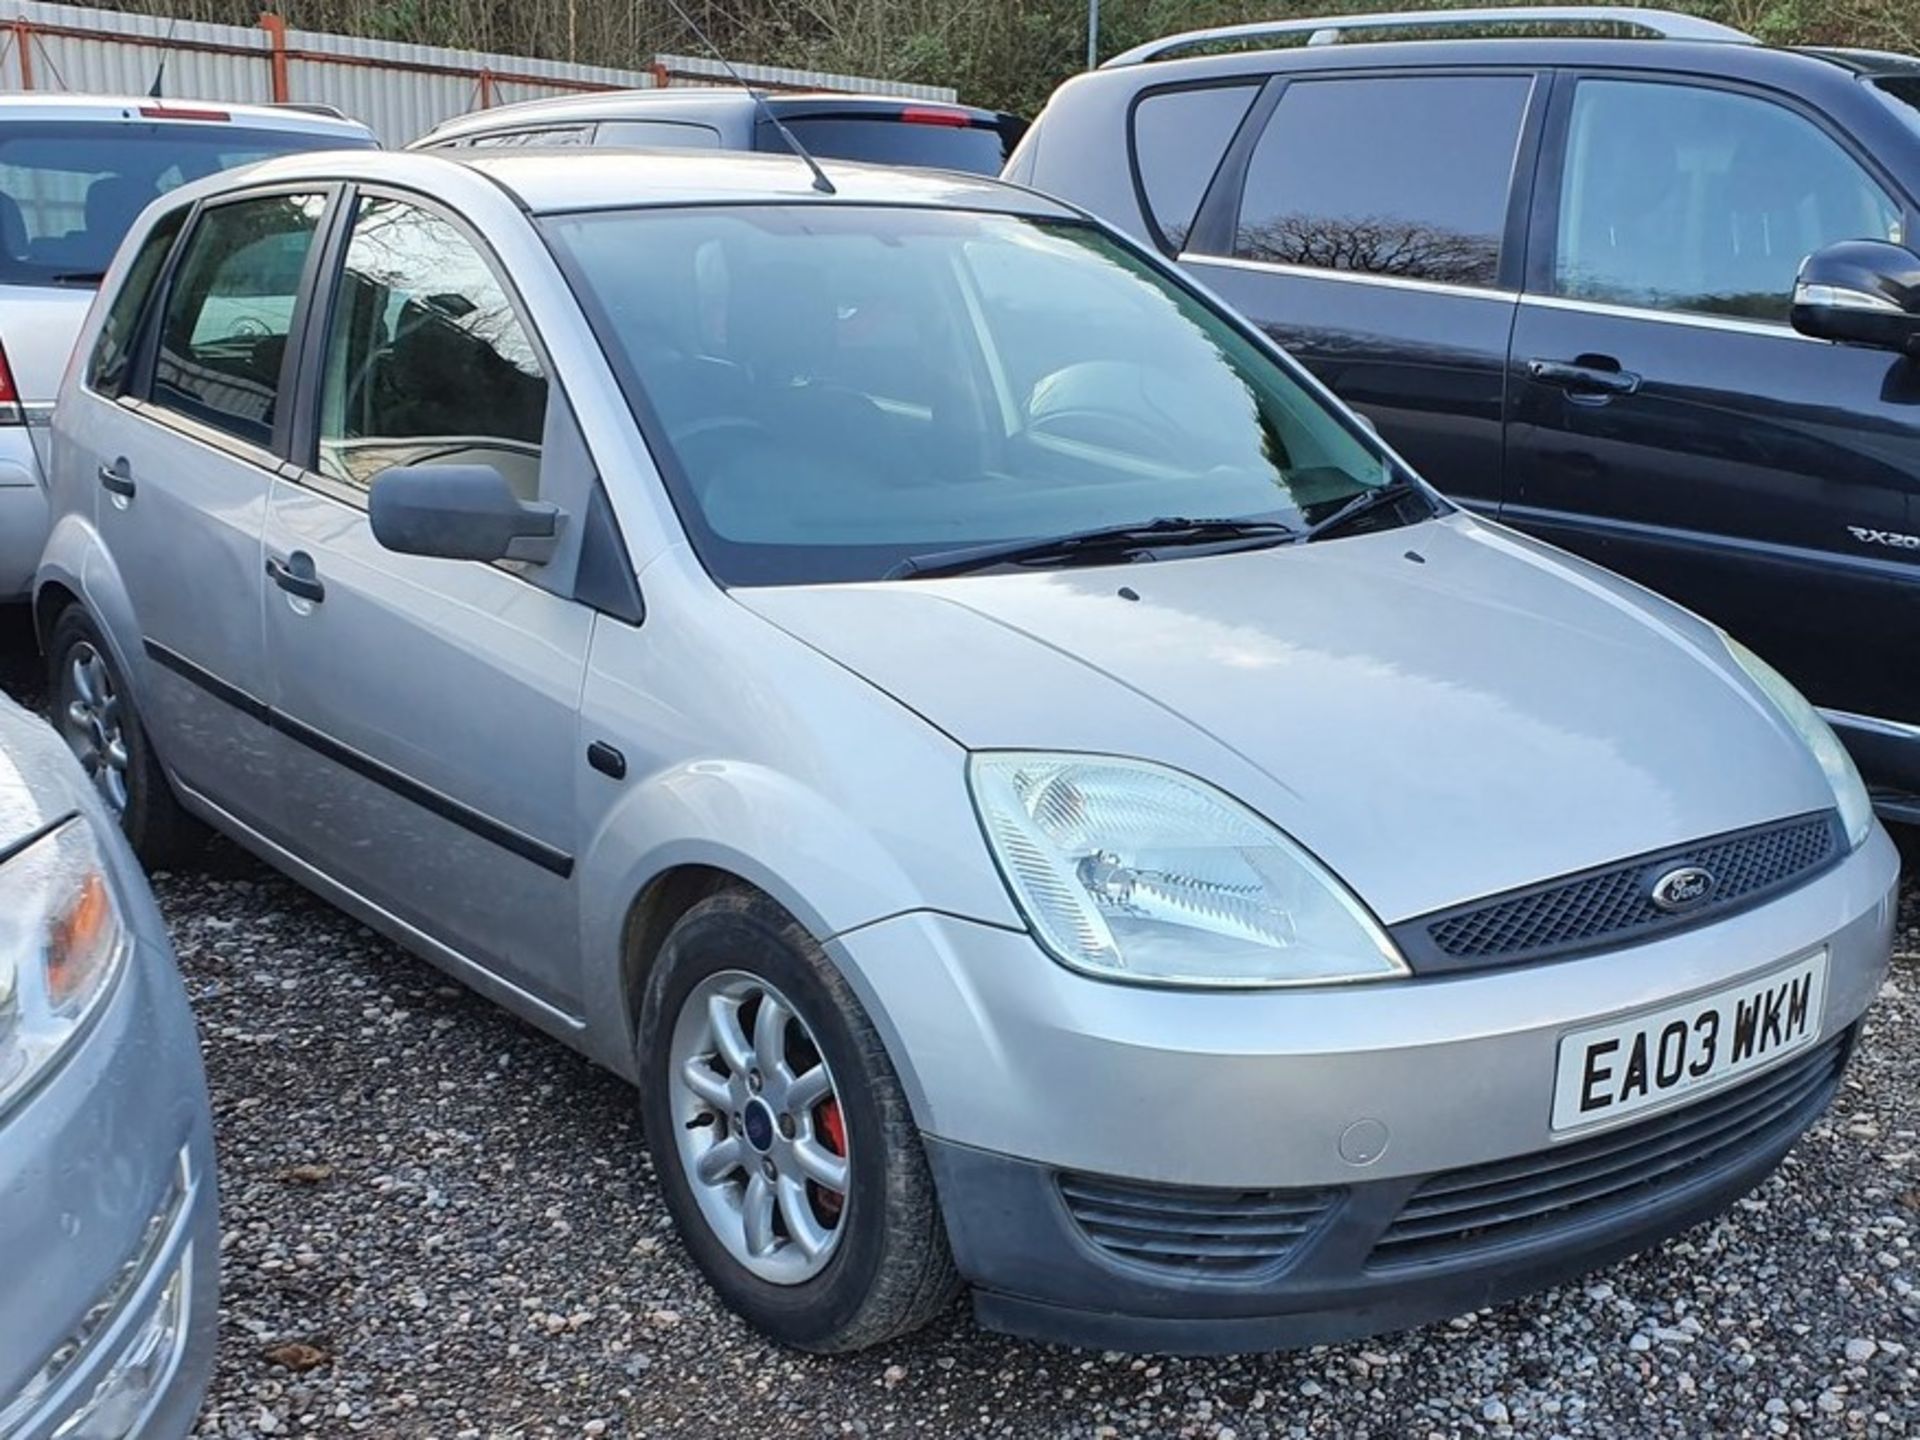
(183, 461)
(1370, 223)
(1666, 420)
(427, 707)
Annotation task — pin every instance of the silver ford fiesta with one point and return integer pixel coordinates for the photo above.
(1035, 794)
(108, 1244)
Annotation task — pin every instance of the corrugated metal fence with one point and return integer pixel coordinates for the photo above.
(400, 90)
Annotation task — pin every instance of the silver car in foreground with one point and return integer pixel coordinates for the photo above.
(108, 1239)
(1035, 794)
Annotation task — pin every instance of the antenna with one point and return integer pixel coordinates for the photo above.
(157, 90)
(820, 180)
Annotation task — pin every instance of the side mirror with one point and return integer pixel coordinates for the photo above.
(1861, 292)
(455, 512)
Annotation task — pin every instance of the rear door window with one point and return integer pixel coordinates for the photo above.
(223, 334)
(1405, 176)
(1179, 139)
(658, 134)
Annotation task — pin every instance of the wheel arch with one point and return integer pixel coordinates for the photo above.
(651, 917)
(678, 835)
(76, 569)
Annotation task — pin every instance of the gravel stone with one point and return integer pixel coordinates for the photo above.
(415, 1187)
(462, 1217)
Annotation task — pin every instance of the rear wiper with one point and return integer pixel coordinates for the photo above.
(1167, 530)
(1365, 503)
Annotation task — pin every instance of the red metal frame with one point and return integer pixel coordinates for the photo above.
(23, 42)
(21, 34)
(276, 27)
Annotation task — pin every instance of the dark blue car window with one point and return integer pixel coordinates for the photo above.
(1681, 197)
(1405, 176)
(1179, 137)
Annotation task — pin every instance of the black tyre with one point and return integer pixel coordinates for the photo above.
(782, 1137)
(1907, 838)
(89, 703)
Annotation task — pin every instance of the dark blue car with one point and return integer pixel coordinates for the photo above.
(1559, 271)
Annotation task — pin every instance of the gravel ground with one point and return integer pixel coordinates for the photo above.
(439, 1223)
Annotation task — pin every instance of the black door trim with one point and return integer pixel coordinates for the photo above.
(538, 852)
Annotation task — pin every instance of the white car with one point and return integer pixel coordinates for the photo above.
(75, 173)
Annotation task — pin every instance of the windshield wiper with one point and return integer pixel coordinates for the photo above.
(1365, 503)
(1167, 530)
(77, 277)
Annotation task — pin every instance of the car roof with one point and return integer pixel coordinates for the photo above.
(674, 100)
(552, 181)
(1738, 60)
(146, 110)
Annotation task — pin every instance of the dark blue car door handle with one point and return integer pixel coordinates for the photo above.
(1578, 379)
(296, 576)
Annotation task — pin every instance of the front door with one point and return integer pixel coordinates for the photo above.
(1369, 237)
(182, 478)
(1668, 423)
(428, 707)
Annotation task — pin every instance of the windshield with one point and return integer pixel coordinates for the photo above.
(895, 140)
(69, 190)
(840, 389)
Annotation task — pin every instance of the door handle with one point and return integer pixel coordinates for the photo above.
(1583, 377)
(116, 479)
(296, 576)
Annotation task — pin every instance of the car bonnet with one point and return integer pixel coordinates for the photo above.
(38, 777)
(1439, 712)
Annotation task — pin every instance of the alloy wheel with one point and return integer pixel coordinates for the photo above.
(91, 720)
(758, 1124)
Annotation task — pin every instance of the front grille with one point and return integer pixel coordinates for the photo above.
(1193, 1231)
(1615, 904)
(1459, 1212)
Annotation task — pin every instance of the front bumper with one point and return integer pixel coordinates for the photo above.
(108, 1237)
(23, 512)
(1327, 1111)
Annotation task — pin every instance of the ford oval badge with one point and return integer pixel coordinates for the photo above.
(1685, 888)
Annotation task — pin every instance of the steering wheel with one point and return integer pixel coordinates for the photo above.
(1114, 429)
(720, 437)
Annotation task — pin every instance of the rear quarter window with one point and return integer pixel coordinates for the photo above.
(107, 367)
(1179, 139)
(545, 137)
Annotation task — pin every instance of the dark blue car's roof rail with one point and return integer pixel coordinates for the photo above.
(1330, 30)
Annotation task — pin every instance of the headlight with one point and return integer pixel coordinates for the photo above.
(1849, 792)
(62, 939)
(1136, 872)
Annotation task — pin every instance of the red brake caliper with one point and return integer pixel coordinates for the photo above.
(833, 1130)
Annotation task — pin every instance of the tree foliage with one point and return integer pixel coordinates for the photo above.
(1005, 53)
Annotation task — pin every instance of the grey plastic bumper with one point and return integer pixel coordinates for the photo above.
(1038, 1273)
